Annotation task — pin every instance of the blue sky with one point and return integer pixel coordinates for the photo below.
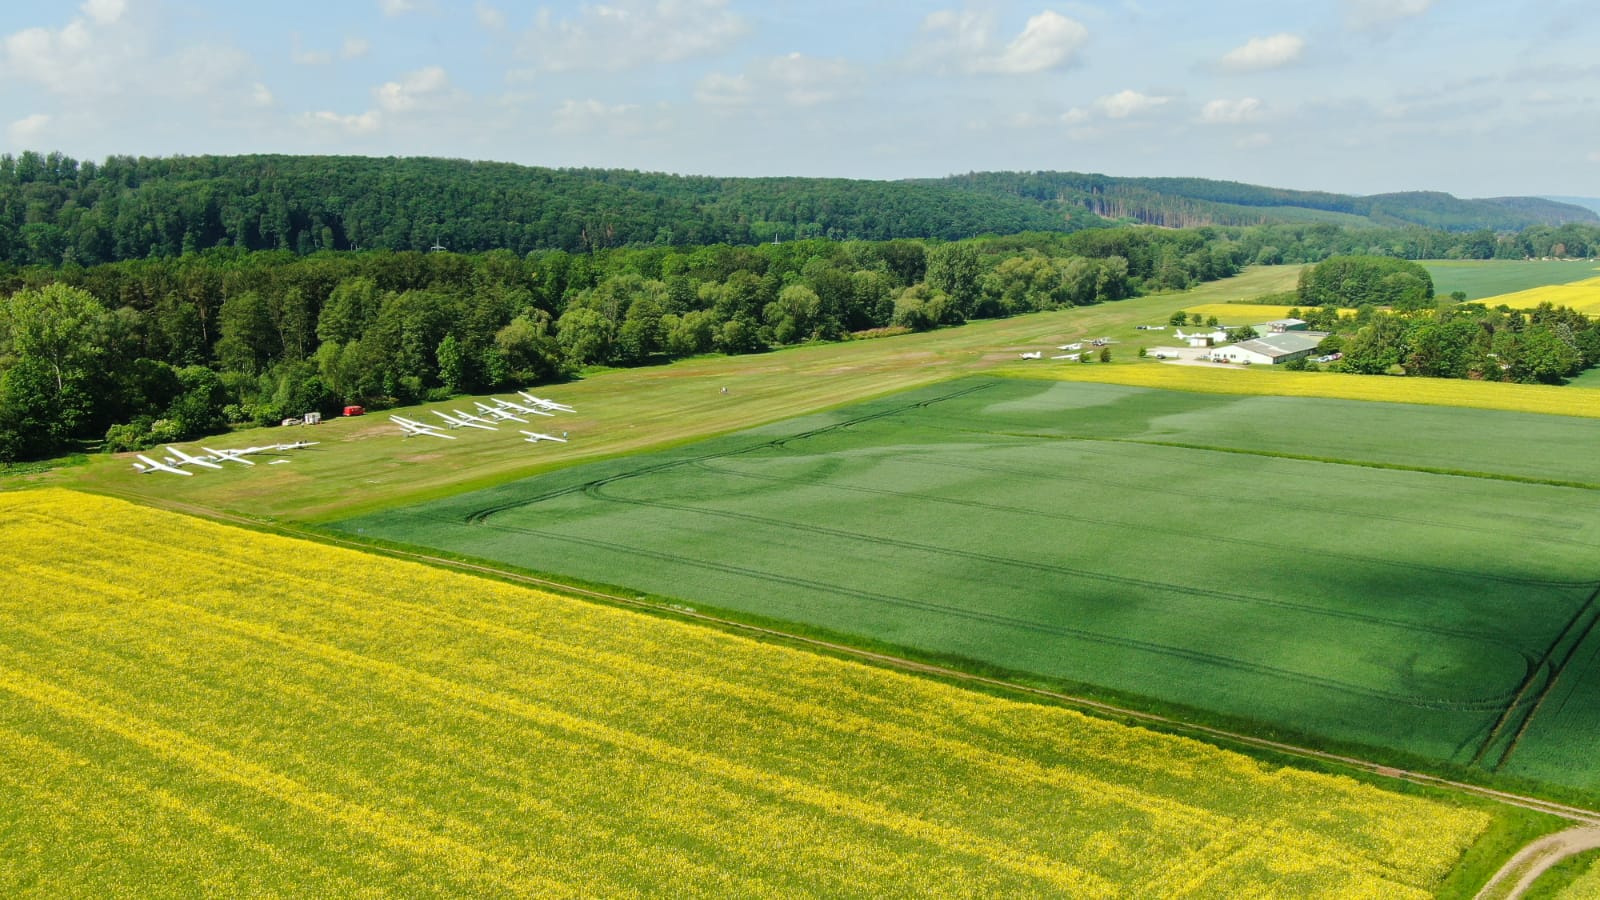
(1359, 96)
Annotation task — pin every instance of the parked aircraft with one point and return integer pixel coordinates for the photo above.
(232, 455)
(1037, 354)
(498, 414)
(411, 427)
(148, 465)
(518, 407)
(187, 460)
(1067, 356)
(301, 445)
(1077, 346)
(534, 437)
(463, 423)
(469, 417)
(545, 404)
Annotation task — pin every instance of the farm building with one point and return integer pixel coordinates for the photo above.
(1271, 349)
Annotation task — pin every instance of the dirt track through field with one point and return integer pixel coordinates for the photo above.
(1536, 859)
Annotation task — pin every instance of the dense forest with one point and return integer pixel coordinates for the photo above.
(55, 210)
(1188, 202)
(152, 350)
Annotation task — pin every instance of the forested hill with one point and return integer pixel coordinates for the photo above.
(56, 210)
(1191, 202)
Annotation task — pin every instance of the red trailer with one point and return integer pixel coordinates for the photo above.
(354, 411)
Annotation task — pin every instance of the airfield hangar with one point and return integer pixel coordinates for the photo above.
(1271, 349)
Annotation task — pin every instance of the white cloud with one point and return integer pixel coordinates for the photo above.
(422, 87)
(1264, 53)
(354, 48)
(586, 116)
(310, 57)
(1593, 157)
(1127, 103)
(261, 95)
(93, 54)
(1231, 112)
(965, 41)
(797, 79)
(489, 17)
(27, 130)
(104, 12)
(1076, 116)
(722, 90)
(631, 33)
(1368, 15)
(360, 123)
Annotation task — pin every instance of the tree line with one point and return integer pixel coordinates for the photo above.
(162, 349)
(1400, 328)
(55, 210)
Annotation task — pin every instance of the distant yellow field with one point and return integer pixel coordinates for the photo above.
(1247, 313)
(257, 715)
(1583, 296)
(1534, 398)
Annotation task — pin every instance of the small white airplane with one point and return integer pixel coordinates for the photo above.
(534, 437)
(545, 404)
(1077, 346)
(463, 423)
(148, 465)
(469, 417)
(1037, 354)
(1102, 341)
(297, 445)
(518, 407)
(232, 455)
(498, 414)
(411, 427)
(187, 460)
(1067, 356)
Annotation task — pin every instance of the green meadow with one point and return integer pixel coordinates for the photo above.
(1397, 578)
(1480, 278)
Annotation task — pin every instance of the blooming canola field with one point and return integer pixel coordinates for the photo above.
(187, 707)
(1583, 296)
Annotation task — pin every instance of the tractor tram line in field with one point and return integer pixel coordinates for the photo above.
(1029, 626)
(478, 515)
(1569, 812)
(1010, 562)
(1084, 517)
(1577, 632)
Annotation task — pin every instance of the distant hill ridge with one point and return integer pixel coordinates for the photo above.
(55, 209)
(1189, 202)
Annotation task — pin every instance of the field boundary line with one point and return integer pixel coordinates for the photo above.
(1359, 463)
(1566, 811)
(1557, 669)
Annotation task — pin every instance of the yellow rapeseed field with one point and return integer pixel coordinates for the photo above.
(1247, 313)
(1262, 380)
(1583, 296)
(189, 708)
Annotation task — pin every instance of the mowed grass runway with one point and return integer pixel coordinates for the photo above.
(1149, 544)
(261, 716)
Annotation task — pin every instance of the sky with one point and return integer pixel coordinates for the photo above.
(1355, 96)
